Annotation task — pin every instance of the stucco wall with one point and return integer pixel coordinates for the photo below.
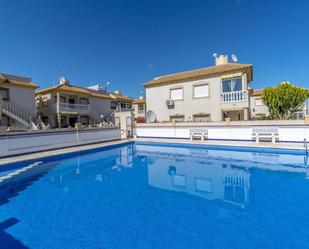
(156, 100)
(22, 98)
(100, 106)
(289, 130)
(29, 142)
(257, 109)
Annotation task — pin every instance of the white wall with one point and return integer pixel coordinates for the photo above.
(22, 98)
(257, 109)
(38, 141)
(286, 133)
(156, 100)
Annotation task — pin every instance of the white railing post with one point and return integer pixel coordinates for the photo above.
(230, 97)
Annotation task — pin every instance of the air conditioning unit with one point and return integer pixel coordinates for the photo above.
(169, 103)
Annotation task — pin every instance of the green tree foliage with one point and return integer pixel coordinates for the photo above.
(284, 100)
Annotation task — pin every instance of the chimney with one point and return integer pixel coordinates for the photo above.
(141, 97)
(221, 60)
(117, 92)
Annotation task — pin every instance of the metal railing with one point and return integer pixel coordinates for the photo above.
(17, 113)
(232, 97)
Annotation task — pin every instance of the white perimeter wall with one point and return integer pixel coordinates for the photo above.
(286, 133)
(25, 143)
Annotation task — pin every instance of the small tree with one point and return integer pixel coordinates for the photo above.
(284, 100)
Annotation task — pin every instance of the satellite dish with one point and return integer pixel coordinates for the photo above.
(234, 58)
(151, 116)
(215, 55)
(63, 80)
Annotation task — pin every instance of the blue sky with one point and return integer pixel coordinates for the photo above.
(130, 42)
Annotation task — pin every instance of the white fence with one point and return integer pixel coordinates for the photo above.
(287, 133)
(27, 142)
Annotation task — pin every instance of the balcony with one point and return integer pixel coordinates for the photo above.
(72, 108)
(233, 97)
(235, 100)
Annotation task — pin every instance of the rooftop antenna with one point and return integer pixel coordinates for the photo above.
(214, 55)
(234, 58)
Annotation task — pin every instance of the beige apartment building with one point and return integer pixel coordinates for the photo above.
(206, 94)
(65, 105)
(17, 101)
(139, 107)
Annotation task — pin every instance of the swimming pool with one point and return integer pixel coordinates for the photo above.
(142, 195)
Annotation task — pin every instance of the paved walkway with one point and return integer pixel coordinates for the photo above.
(58, 152)
(104, 144)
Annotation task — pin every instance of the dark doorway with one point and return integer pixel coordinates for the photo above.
(71, 101)
(72, 121)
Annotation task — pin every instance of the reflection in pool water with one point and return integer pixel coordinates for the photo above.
(143, 196)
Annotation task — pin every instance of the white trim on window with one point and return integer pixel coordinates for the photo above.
(176, 93)
(201, 91)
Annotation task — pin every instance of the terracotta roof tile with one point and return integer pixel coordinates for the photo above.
(17, 80)
(139, 101)
(87, 91)
(201, 73)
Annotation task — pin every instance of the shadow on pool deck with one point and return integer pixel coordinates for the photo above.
(6, 240)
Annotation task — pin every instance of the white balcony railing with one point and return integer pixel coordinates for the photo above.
(67, 107)
(232, 97)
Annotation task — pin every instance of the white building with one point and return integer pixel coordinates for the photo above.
(17, 101)
(65, 105)
(206, 94)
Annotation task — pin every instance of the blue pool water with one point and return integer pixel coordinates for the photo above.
(145, 196)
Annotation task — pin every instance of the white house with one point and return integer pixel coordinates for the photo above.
(17, 101)
(206, 94)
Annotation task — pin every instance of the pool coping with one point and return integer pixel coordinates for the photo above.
(280, 148)
(60, 151)
(215, 144)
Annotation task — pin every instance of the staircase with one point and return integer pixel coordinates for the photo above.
(98, 118)
(16, 114)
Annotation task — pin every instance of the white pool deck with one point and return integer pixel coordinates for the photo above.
(34, 156)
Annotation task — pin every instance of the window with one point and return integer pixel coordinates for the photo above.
(258, 102)
(125, 105)
(141, 107)
(4, 92)
(201, 91)
(201, 118)
(83, 101)
(232, 85)
(176, 94)
(177, 118)
(113, 105)
(44, 102)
